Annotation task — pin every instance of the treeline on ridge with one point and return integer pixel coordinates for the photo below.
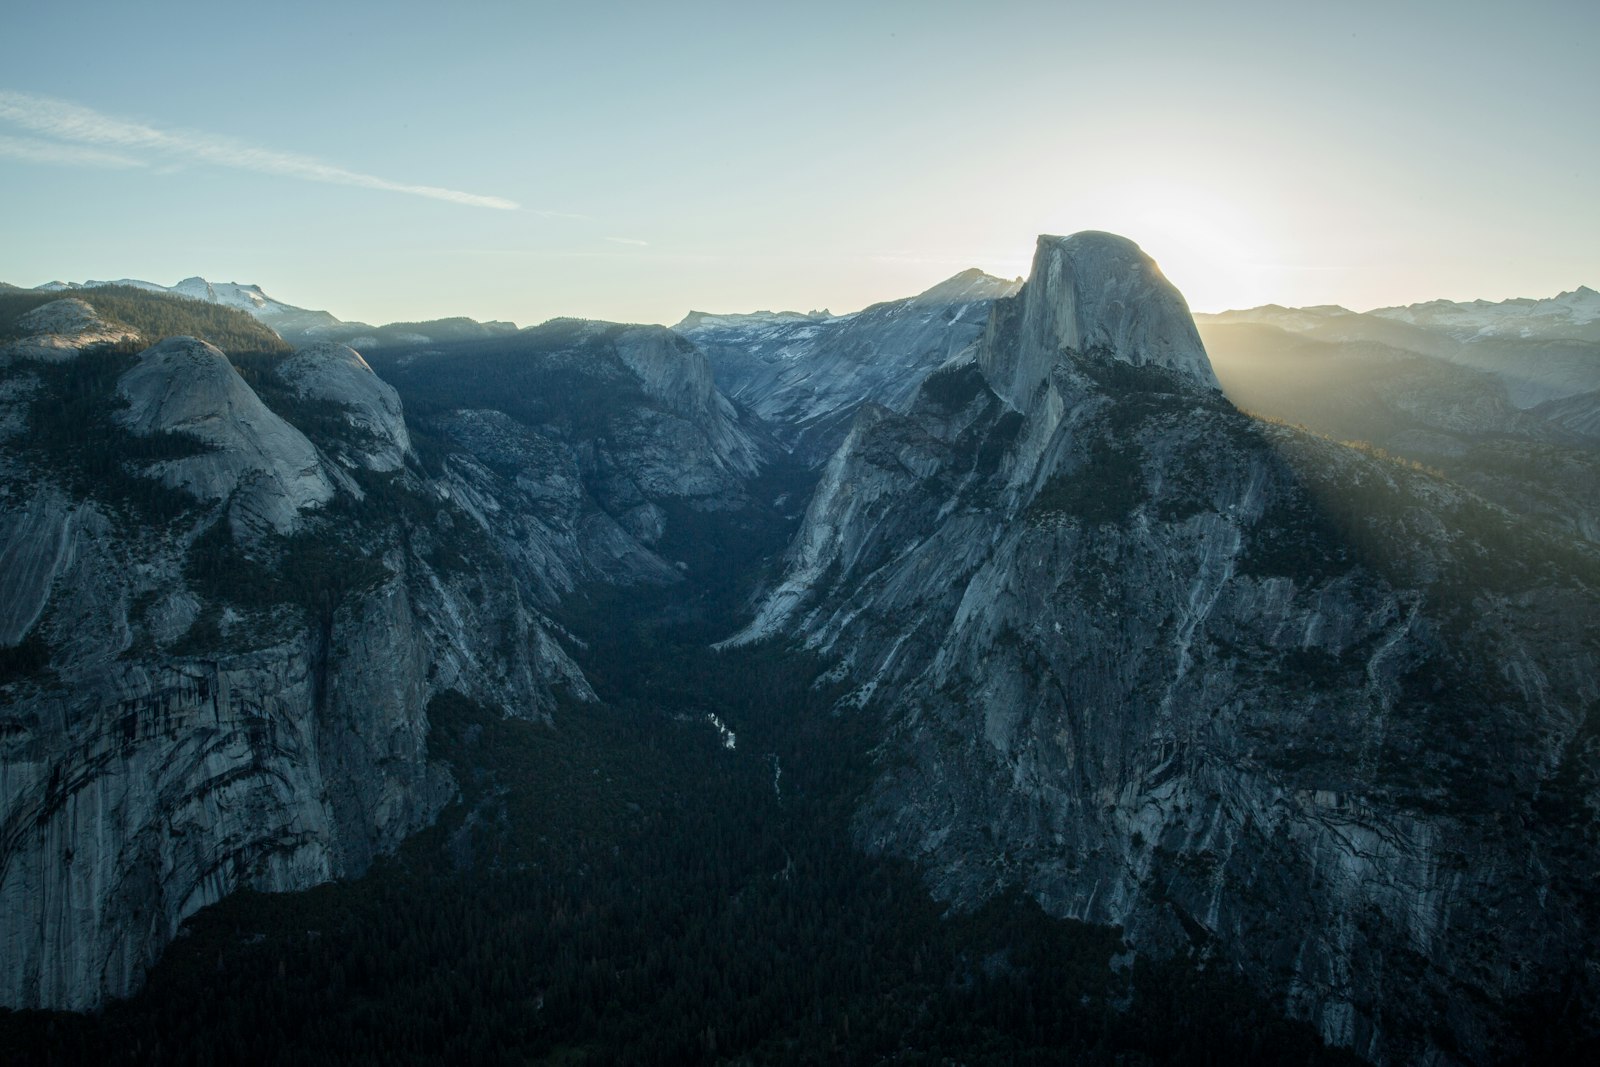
(155, 315)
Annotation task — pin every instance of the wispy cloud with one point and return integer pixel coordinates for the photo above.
(81, 126)
(628, 241)
(33, 150)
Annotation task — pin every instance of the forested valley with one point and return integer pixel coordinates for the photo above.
(636, 884)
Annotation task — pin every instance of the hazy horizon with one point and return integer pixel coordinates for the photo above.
(525, 161)
(270, 292)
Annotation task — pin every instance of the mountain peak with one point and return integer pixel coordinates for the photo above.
(1092, 295)
(1566, 315)
(196, 288)
(970, 285)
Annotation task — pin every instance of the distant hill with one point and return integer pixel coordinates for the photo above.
(1503, 397)
(153, 315)
(296, 325)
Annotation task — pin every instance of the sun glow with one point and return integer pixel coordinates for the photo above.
(1211, 248)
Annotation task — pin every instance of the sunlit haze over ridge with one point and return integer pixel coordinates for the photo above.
(634, 162)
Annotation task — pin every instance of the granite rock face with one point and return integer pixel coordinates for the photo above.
(1318, 715)
(807, 374)
(586, 447)
(1091, 293)
(140, 786)
(227, 703)
(230, 682)
(336, 374)
(1227, 685)
(58, 330)
(37, 535)
(267, 469)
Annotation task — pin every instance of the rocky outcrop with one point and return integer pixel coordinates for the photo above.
(528, 491)
(140, 787)
(807, 374)
(971, 286)
(223, 707)
(677, 377)
(577, 441)
(266, 467)
(1091, 295)
(58, 330)
(193, 779)
(34, 542)
(236, 693)
(1303, 710)
(336, 374)
(1229, 686)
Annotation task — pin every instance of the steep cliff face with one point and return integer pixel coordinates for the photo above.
(807, 374)
(336, 375)
(1090, 293)
(250, 456)
(228, 606)
(193, 704)
(1221, 683)
(578, 442)
(157, 767)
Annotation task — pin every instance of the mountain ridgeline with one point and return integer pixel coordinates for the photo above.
(967, 677)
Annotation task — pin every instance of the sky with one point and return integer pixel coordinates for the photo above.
(632, 162)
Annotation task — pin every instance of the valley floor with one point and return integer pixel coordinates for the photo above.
(625, 887)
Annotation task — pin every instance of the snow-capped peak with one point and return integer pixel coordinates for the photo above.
(1569, 314)
(228, 294)
(244, 297)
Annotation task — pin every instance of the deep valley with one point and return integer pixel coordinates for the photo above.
(1013, 673)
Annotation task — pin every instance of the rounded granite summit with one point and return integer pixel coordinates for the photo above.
(337, 373)
(268, 469)
(1096, 296)
(58, 331)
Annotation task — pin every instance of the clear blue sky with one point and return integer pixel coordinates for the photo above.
(737, 156)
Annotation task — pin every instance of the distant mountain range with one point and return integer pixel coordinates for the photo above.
(1503, 397)
(1570, 316)
(300, 326)
(1541, 349)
